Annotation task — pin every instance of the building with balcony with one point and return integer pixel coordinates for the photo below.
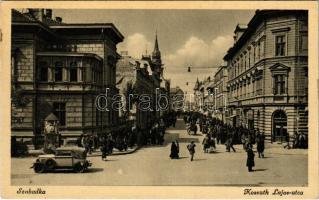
(268, 73)
(61, 68)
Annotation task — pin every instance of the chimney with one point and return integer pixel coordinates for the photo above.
(37, 14)
(48, 13)
(58, 19)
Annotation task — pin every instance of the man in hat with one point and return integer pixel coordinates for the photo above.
(250, 158)
(191, 149)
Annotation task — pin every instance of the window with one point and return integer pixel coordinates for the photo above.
(258, 52)
(59, 111)
(258, 86)
(304, 42)
(279, 85)
(84, 71)
(58, 71)
(249, 59)
(241, 65)
(262, 49)
(280, 45)
(73, 72)
(43, 71)
(245, 63)
(306, 80)
(254, 54)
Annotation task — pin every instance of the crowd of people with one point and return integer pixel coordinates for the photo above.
(220, 132)
(128, 136)
(216, 131)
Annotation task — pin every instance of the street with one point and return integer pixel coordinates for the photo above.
(151, 165)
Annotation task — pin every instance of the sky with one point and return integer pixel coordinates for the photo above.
(196, 38)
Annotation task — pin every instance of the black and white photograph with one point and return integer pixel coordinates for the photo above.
(160, 97)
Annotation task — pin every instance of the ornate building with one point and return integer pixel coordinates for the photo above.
(143, 77)
(135, 82)
(60, 68)
(268, 73)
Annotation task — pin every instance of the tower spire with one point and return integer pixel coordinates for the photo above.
(156, 48)
(156, 53)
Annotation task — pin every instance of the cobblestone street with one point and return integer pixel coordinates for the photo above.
(151, 165)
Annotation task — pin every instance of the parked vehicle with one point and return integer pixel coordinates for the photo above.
(62, 158)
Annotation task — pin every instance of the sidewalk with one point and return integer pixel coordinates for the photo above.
(95, 153)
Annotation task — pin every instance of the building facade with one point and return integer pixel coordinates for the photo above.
(177, 99)
(142, 85)
(136, 84)
(61, 68)
(268, 74)
(219, 91)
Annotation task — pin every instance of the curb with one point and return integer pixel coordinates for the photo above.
(115, 154)
(97, 154)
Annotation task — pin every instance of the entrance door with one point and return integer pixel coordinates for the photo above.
(279, 128)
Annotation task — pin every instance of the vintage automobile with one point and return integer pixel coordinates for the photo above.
(62, 158)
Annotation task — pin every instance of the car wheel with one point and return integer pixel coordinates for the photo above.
(79, 168)
(38, 168)
(50, 164)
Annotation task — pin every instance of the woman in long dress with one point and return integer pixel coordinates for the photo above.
(174, 151)
(250, 158)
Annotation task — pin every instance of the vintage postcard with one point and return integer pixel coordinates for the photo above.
(153, 99)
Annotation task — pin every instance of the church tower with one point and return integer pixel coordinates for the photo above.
(156, 58)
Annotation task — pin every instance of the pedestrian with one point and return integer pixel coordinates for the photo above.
(250, 158)
(86, 143)
(229, 143)
(303, 143)
(295, 140)
(191, 149)
(212, 143)
(206, 143)
(174, 151)
(287, 145)
(218, 131)
(260, 139)
(174, 121)
(104, 149)
(177, 144)
(90, 144)
(109, 145)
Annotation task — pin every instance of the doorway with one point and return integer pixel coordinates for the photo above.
(279, 126)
